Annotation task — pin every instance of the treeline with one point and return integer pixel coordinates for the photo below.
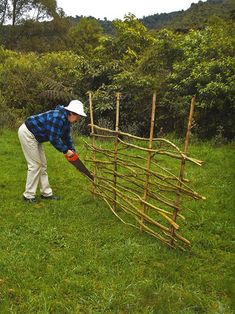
(182, 21)
(47, 70)
(32, 34)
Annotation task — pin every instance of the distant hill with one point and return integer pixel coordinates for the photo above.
(195, 17)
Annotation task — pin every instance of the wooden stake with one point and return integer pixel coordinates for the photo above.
(182, 165)
(116, 151)
(149, 156)
(93, 141)
(190, 120)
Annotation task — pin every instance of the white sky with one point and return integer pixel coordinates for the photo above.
(113, 9)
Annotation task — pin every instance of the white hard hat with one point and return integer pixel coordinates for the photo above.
(77, 107)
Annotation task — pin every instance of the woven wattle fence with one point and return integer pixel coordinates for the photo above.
(142, 179)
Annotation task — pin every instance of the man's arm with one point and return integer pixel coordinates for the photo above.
(67, 139)
(55, 127)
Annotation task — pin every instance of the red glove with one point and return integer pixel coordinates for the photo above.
(71, 158)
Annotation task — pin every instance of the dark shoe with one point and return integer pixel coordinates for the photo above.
(29, 200)
(51, 197)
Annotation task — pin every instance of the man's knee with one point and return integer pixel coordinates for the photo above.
(44, 168)
(35, 167)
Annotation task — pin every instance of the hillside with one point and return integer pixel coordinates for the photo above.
(195, 17)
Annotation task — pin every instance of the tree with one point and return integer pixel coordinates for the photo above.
(159, 59)
(84, 37)
(115, 61)
(131, 39)
(18, 10)
(3, 11)
(206, 69)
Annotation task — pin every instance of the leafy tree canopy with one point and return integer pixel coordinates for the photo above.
(19, 10)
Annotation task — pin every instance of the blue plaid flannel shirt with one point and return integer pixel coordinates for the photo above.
(52, 126)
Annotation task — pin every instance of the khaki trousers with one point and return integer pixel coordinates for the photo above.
(37, 164)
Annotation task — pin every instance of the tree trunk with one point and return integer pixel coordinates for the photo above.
(4, 11)
(14, 5)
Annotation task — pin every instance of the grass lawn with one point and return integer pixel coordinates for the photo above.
(74, 256)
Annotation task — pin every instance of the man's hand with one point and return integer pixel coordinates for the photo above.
(70, 153)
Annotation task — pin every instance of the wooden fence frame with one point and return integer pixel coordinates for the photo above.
(139, 192)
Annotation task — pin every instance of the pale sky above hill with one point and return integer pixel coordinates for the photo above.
(117, 9)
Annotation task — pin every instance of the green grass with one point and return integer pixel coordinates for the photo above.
(74, 256)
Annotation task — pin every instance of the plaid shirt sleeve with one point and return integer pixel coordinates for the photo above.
(59, 133)
(68, 140)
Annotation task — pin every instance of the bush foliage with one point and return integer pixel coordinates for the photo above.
(135, 62)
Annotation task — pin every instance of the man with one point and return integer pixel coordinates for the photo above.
(53, 126)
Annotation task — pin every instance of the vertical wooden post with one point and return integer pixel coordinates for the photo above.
(190, 120)
(93, 140)
(116, 150)
(149, 158)
(182, 164)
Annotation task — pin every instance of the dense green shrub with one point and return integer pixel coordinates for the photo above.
(23, 77)
(207, 69)
(9, 118)
(20, 78)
